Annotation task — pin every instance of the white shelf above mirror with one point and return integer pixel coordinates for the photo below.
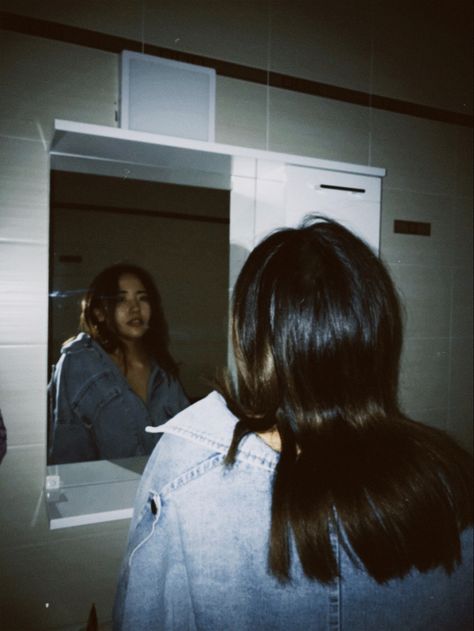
(141, 155)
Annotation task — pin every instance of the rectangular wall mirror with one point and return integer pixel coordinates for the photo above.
(179, 234)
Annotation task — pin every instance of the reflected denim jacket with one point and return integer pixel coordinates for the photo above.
(95, 414)
(198, 543)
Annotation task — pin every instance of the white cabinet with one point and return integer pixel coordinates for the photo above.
(352, 199)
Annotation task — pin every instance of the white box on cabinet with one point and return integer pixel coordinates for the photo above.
(163, 96)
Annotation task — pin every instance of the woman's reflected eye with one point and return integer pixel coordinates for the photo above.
(124, 298)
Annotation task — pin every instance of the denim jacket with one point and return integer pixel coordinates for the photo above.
(95, 414)
(198, 543)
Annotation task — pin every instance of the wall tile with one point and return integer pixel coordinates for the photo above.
(115, 17)
(24, 187)
(24, 287)
(464, 163)
(335, 49)
(234, 31)
(461, 373)
(412, 249)
(419, 154)
(425, 293)
(434, 64)
(21, 487)
(355, 45)
(241, 113)
(50, 574)
(44, 79)
(462, 303)
(307, 125)
(462, 232)
(258, 37)
(19, 127)
(23, 386)
(49, 565)
(424, 375)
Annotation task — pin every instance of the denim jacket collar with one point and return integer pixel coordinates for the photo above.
(210, 423)
(83, 341)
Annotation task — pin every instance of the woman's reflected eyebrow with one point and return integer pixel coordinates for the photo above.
(140, 292)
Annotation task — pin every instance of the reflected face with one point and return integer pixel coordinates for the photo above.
(133, 312)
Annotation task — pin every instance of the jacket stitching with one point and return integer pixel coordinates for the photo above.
(192, 474)
(202, 438)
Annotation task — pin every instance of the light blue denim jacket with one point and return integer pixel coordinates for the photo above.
(95, 414)
(197, 552)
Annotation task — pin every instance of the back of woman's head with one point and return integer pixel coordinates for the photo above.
(98, 313)
(317, 339)
(316, 326)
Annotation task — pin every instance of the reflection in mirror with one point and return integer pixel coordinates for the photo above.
(180, 236)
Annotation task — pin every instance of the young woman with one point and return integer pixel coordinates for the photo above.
(303, 499)
(117, 376)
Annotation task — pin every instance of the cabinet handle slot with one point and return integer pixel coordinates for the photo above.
(349, 189)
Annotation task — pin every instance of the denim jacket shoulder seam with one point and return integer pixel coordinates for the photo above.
(202, 438)
(198, 437)
(196, 471)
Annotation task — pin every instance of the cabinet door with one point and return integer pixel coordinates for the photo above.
(353, 200)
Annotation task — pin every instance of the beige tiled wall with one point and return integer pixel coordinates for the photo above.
(429, 178)
(423, 52)
(306, 125)
(50, 578)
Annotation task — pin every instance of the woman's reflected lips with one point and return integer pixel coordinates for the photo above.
(135, 322)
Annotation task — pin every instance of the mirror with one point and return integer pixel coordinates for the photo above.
(179, 234)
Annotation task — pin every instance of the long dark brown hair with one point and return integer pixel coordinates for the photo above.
(102, 297)
(317, 341)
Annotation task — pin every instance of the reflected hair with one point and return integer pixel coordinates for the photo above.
(317, 336)
(102, 297)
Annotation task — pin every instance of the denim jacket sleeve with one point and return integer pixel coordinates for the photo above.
(153, 590)
(70, 439)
